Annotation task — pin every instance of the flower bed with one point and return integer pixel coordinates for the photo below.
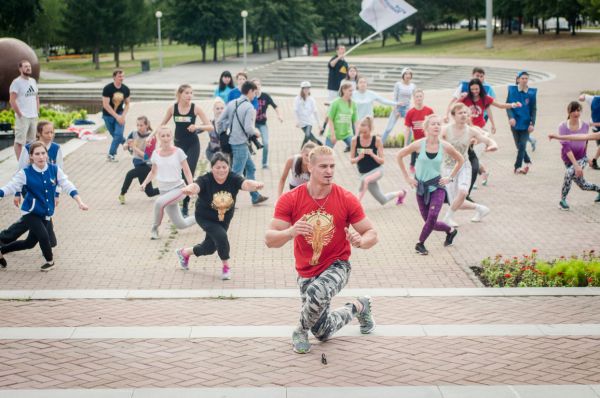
(60, 118)
(529, 271)
(382, 110)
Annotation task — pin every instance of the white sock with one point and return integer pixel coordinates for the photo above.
(449, 214)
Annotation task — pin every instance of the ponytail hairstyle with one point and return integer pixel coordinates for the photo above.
(181, 89)
(368, 120)
(146, 121)
(309, 146)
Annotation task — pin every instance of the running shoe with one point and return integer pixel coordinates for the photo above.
(365, 317)
(526, 168)
(226, 273)
(563, 205)
(450, 237)
(300, 342)
(595, 164)
(449, 221)
(154, 234)
(597, 200)
(480, 212)
(484, 178)
(533, 143)
(260, 199)
(3, 263)
(183, 258)
(111, 158)
(122, 199)
(401, 197)
(347, 149)
(421, 249)
(47, 266)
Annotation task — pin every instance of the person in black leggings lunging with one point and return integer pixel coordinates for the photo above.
(184, 113)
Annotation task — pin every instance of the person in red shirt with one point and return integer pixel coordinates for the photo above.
(478, 103)
(414, 123)
(317, 216)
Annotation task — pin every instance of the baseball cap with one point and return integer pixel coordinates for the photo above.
(521, 73)
(305, 84)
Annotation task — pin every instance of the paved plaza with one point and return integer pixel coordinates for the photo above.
(84, 328)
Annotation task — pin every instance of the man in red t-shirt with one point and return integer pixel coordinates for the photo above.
(317, 216)
(414, 123)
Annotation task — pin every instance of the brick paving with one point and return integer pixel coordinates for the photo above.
(241, 312)
(269, 362)
(109, 248)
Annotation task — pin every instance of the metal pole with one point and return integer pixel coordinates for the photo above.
(160, 55)
(489, 29)
(245, 53)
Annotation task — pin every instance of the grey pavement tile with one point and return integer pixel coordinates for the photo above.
(248, 392)
(63, 393)
(160, 332)
(364, 392)
(554, 391)
(18, 333)
(483, 330)
(477, 392)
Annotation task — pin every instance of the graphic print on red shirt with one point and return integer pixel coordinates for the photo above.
(478, 108)
(327, 243)
(415, 118)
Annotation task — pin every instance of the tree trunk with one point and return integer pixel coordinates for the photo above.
(116, 52)
(96, 57)
(278, 45)
(287, 47)
(237, 45)
(263, 43)
(335, 40)
(557, 26)
(215, 46)
(223, 46)
(326, 42)
(203, 48)
(132, 55)
(383, 37)
(520, 25)
(573, 26)
(418, 33)
(477, 24)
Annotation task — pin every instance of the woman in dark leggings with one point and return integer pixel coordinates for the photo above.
(141, 145)
(217, 191)
(41, 180)
(184, 113)
(428, 179)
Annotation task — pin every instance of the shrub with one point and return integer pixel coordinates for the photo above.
(382, 111)
(396, 141)
(60, 119)
(529, 271)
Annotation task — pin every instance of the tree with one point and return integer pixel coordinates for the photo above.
(17, 15)
(429, 12)
(45, 31)
(92, 16)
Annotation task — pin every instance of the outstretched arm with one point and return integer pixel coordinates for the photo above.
(575, 137)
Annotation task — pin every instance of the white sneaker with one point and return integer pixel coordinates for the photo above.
(449, 221)
(480, 212)
(154, 234)
(226, 274)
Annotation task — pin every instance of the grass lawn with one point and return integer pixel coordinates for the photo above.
(173, 54)
(584, 47)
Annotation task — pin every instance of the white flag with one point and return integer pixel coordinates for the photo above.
(381, 14)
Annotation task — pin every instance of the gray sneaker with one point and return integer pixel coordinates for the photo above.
(154, 234)
(300, 341)
(365, 317)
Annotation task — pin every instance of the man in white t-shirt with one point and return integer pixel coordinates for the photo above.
(25, 101)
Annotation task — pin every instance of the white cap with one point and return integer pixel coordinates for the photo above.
(405, 71)
(305, 84)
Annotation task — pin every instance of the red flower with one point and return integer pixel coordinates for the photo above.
(590, 279)
(507, 275)
(534, 251)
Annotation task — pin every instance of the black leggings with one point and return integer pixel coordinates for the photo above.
(40, 231)
(140, 172)
(193, 154)
(13, 232)
(474, 168)
(215, 240)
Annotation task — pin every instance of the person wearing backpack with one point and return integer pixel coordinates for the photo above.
(239, 118)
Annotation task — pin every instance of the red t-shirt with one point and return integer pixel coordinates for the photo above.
(415, 118)
(314, 254)
(477, 109)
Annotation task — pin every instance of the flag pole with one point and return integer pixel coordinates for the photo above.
(362, 42)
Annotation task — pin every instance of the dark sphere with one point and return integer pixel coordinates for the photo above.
(12, 52)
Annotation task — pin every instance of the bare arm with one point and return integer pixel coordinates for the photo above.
(286, 170)
(191, 189)
(280, 232)
(106, 106)
(13, 104)
(187, 172)
(575, 137)
(357, 158)
(367, 235)
(491, 118)
(505, 105)
(251, 185)
(125, 108)
(334, 61)
(150, 176)
(379, 158)
(407, 150)
(454, 154)
(168, 116)
(206, 124)
(489, 143)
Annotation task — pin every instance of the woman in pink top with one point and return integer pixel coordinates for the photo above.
(573, 152)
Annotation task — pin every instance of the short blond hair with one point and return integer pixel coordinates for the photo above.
(319, 151)
(456, 107)
(428, 120)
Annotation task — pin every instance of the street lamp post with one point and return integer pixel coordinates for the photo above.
(244, 16)
(158, 16)
(489, 29)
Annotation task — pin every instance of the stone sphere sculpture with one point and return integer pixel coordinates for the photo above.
(14, 51)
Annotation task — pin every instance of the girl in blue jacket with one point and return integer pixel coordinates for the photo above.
(41, 180)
